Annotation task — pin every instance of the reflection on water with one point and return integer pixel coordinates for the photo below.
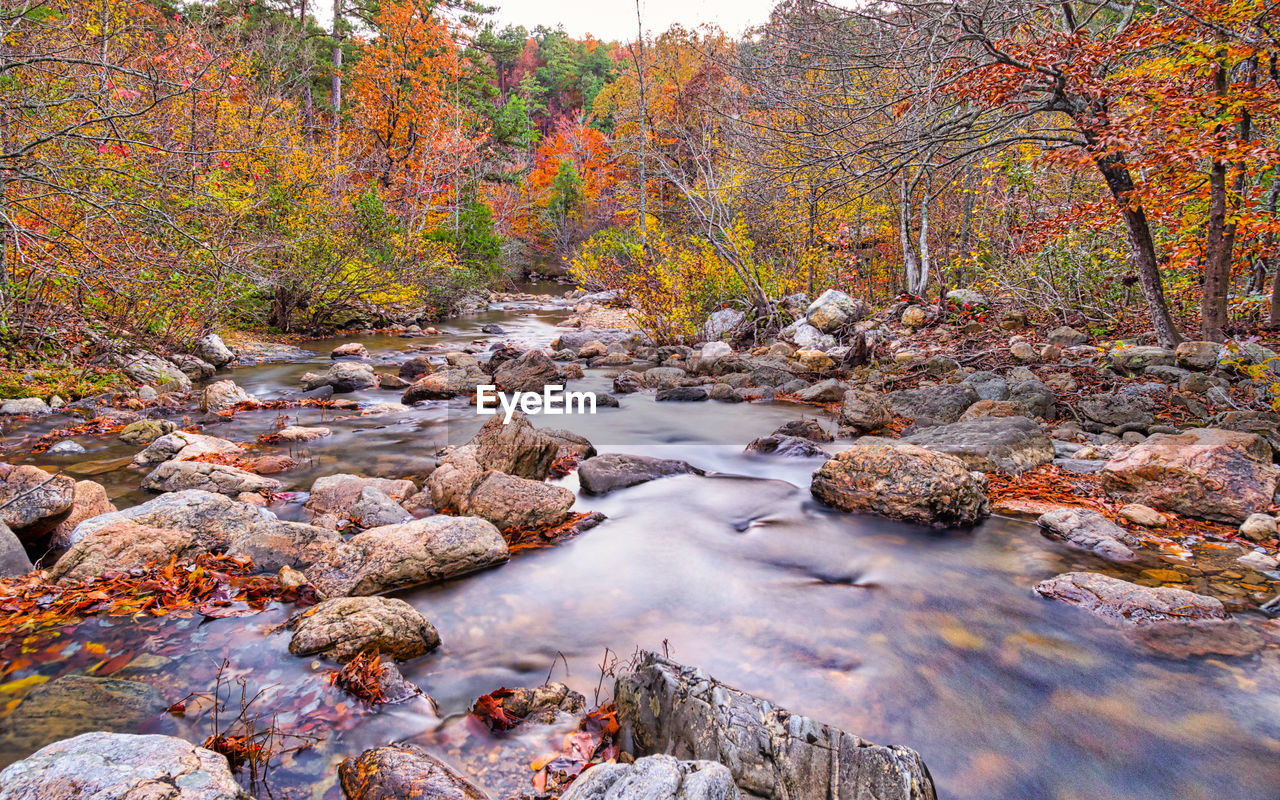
(901, 635)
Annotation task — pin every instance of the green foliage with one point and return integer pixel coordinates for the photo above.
(566, 191)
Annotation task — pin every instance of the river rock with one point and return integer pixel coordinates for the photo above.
(1089, 530)
(993, 409)
(863, 412)
(666, 708)
(26, 406)
(146, 431)
(120, 766)
(789, 446)
(197, 369)
(403, 772)
(299, 434)
(1117, 413)
(275, 544)
(809, 429)
(903, 481)
(223, 396)
(415, 368)
(343, 627)
(610, 471)
(1128, 603)
(344, 376)
(373, 508)
(336, 495)
(31, 499)
(1208, 473)
(212, 349)
(1065, 336)
(69, 706)
(215, 518)
(517, 504)
(1035, 397)
(663, 377)
(932, 405)
(826, 391)
(994, 444)
(142, 366)
(178, 476)
(660, 777)
(569, 444)
(90, 501)
(572, 340)
(683, 394)
(515, 447)
(125, 546)
(1258, 527)
(444, 384)
(349, 350)
(988, 385)
(1146, 516)
(184, 446)
(1198, 355)
(400, 556)
(13, 556)
(529, 372)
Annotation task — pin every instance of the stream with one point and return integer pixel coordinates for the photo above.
(899, 634)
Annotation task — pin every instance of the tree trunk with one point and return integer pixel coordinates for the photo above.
(1220, 236)
(335, 82)
(1116, 173)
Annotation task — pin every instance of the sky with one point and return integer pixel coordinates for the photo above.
(615, 20)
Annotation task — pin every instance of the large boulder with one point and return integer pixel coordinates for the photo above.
(343, 376)
(13, 556)
(26, 406)
(529, 372)
(145, 431)
(120, 766)
(31, 499)
(517, 504)
(903, 481)
(72, 705)
(184, 446)
(1137, 358)
(1208, 473)
(343, 627)
(515, 447)
(90, 501)
(932, 405)
(992, 444)
(214, 518)
(278, 543)
(337, 495)
(403, 772)
(178, 476)
(400, 556)
(126, 546)
(834, 309)
(826, 391)
(609, 471)
(197, 369)
(664, 707)
(1117, 413)
(1089, 530)
(660, 777)
(148, 368)
(445, 384)
(221, 396)
(212, 349)
(1128, 603)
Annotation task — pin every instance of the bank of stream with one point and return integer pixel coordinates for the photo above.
(904, 635)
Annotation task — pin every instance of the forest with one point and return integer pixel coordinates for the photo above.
(911, 369)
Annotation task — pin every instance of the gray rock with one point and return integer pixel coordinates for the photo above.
(66, 447)
(342, 628)
(178, 476)
(197, 369)
(13, 556)
(215, 518)
(518, 504)
(529, 372)
(610, 471)
(120, 766)
(28, 406)
(834, 309)
(403, 772)
(723, 322)
(683, 394)
(992, 444)
(1198, 355)
(221, 396)
(825, 391)
(968, 297)
(660, 777)
(142, 366)
(338, 495)
(1128, 603)
(932, 405)
(1035, 397)
(663, 377)
(146, 431)
(1136, 359)
(343, 376)
(182, 446)
(276, 543)
(1066, 336)
(373, 508)
(664, 708)
(212, 349)
(1116, 413)
(400, 556)
(572, 340)
(31, 499)
(789, 446)
(863, 412)
(722, 392)
(1089, 530)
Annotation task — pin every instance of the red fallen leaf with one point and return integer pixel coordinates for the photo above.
(590, 745)
(177, 709)
(489, 710)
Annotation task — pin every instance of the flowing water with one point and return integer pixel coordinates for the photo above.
(899, 634)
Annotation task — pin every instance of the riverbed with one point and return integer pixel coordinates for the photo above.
(902, 635)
